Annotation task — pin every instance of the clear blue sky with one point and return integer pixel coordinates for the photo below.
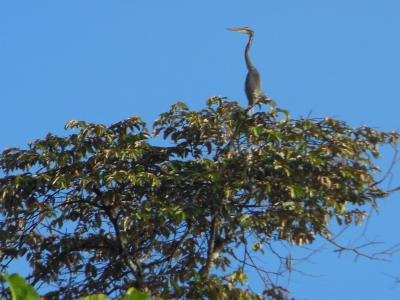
(103, 61)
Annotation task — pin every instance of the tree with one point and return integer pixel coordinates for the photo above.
(107, 208)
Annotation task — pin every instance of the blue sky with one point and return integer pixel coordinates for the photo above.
(103, 61)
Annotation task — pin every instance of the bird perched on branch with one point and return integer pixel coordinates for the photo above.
(253, 86)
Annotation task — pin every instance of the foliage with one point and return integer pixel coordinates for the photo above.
(111, 205)
(131, 294)
(21, 290)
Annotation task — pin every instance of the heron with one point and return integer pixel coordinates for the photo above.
(253, 85)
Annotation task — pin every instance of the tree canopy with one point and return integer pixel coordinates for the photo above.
(168, 210)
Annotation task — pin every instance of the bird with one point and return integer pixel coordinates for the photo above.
(253, 84)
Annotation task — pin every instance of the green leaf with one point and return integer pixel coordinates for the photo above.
(239, 277)
(257, 131)
(95, 297)
(180, 106)
(20, 289)
(296, 192)
(284, 111)
(134, 294)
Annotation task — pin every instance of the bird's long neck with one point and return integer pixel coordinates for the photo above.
(247, 53)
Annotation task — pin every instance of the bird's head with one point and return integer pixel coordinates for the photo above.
(245, 30)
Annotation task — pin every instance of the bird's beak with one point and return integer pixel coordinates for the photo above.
(241, 30)
(233, 29)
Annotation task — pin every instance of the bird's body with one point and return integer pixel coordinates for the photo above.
(253, 85)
